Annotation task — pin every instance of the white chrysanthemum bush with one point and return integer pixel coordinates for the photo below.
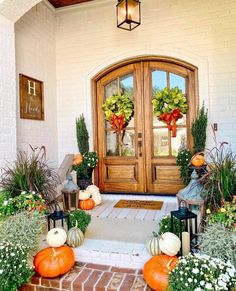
(202, 273)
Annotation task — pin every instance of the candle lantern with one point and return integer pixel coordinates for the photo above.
(70, 194)
(184, 216)
(58, 214)
(128, 14)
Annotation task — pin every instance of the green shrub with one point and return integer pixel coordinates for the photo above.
(82, 135)
(183, 158)
(198, 130)
(14, 267)
(7, 205)
(83, 219)
(23, 228)
(225, 215)
(165, 225)
(219, 242)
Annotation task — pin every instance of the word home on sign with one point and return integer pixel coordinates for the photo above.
(31, 98)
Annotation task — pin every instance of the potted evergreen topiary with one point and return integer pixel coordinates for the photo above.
(84, 165)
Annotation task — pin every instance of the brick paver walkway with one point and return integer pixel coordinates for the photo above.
(91, 277)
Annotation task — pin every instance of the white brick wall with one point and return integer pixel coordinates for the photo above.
(87, 40)
(36, 57)
(200, 32)
(7, 92)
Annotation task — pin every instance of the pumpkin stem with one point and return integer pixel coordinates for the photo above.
(76, 223)
(168, 265)
(155, 234)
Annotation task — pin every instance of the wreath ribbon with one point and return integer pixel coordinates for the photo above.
(117, 122)
(170, 119)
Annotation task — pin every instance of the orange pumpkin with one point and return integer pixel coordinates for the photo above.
(53, 262)
(77, 160)
(198, 160)
(155, 271)
(87, 204)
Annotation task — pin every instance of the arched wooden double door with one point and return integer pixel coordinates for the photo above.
(147, 161)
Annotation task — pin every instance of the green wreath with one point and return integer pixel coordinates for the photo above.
(166, 100)
(118, 105)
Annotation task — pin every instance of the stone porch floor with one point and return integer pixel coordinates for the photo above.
(91, 277)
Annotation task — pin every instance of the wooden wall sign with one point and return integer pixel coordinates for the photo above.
(31, 98)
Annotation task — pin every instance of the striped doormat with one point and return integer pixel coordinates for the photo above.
(139, 204)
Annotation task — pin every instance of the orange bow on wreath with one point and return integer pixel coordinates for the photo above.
(170, 119)
(117, 122)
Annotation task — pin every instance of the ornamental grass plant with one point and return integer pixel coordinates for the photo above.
(220, 180)
(30, 172)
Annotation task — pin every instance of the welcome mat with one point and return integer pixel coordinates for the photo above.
(139, 204)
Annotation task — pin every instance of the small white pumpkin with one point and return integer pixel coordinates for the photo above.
(153, 245)
(169, 243)
(56, 237)
(75, 236)
(95, 194)
(92, 188)
(84, 194)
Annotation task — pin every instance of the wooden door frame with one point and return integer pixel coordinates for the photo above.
(122, 63)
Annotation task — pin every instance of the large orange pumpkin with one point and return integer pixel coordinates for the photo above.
(156, 270)
(198, 160)
(53, 262)
(87, 204)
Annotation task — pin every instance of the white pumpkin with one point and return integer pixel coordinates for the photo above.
(56, 237)
(95, 194)
(84, 194)
(169, 243)
(153, 245)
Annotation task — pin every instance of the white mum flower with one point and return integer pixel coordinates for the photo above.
(195, 271)
(5, 203)
(1, 271)
(208, 286)
(202, 283)
(190, 280)
(198, 289)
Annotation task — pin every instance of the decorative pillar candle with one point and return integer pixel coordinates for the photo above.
(185, 243)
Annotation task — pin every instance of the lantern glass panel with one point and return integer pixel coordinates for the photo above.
(133, 11)
(121, 12)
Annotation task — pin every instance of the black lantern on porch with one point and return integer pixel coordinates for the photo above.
(58, 214)
(128, 14)
(184, 216)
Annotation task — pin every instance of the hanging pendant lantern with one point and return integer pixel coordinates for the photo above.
(128, 14)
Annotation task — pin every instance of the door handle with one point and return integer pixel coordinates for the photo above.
(140, 148)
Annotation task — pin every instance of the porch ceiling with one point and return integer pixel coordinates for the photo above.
(63, 3)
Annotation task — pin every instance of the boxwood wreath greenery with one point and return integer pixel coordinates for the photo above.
(118, 110)
(169, 105)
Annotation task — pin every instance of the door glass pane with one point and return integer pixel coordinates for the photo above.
(161, 143)
(179, 142)
(111, 88)
(159, 82)
(177, 81)
(127, 85)
(127, 146)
